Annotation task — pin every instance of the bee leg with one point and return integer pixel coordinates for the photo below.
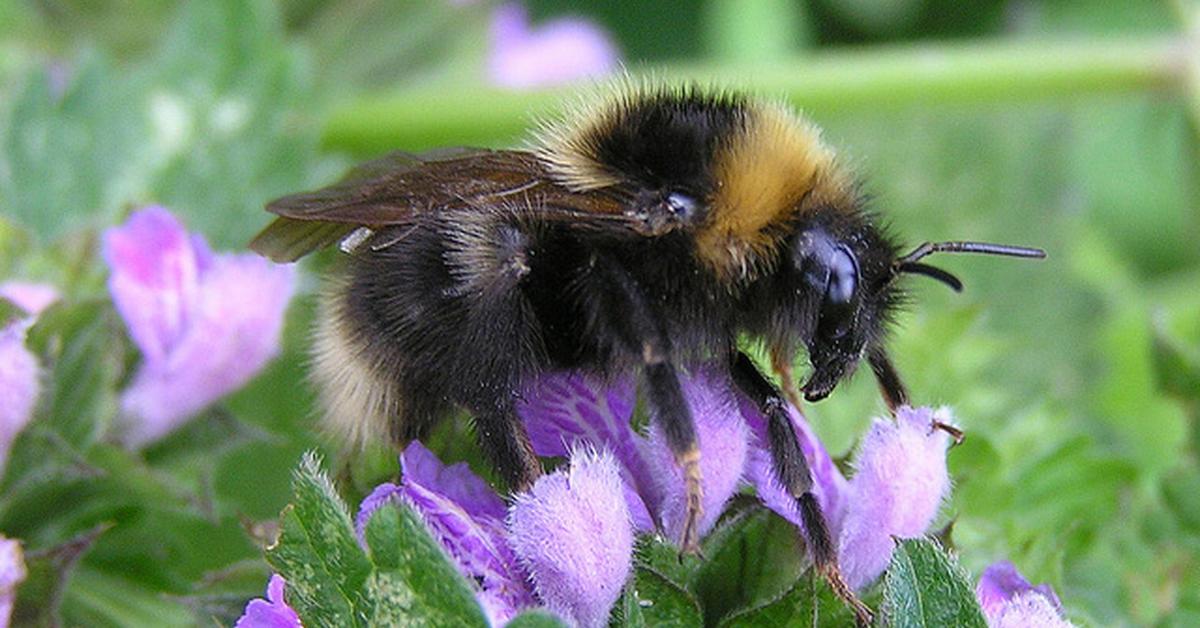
(791, 469)
(503, 439)
(894, 393)
(635, 326)
(665, 396)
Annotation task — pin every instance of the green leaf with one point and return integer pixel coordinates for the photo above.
(100, 599)
(228, 97)
(1176, 356)
(399, 43)
(83, 348)
(808, 602)
(9, 312)
(1181, 492)
(318, 554)
(209, 128)
(627, 613)
(414, 583)
(654, 553)
(753, 558)
(39, 598)
(536, 619)
(62, 157)
(661, 601)
(1152, 429)
(924, 586)
(1095, 482)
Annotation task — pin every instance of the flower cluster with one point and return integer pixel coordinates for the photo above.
(18, 367)
(468, 519)
(899, 485)
(542, 550)
(205, 323)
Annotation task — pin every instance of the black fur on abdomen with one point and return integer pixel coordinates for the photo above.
(465, 309)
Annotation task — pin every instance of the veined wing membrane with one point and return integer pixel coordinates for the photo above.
(396, 188)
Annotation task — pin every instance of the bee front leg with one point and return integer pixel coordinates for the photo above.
(890, 385)
(791, 469)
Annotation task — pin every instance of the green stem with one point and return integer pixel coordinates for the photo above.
(748, 31)
(998, 72)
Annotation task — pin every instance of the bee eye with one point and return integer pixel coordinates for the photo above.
(843, 277)
(683, 205)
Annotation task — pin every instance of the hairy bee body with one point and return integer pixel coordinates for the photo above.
(467, 309)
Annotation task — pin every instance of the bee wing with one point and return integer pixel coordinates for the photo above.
(396, 188)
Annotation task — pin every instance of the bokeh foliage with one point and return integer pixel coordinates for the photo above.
(1078, 379)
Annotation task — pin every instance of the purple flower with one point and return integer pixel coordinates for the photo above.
(18, 385)
(724, 444)
(272, 612)
(18, 367)
(1010, 601)
(12, 573)
(559, 51)
(542, 549)
(468, 519)
(205, 323)
(896, 491)
(29, 296)
(829, 486)
(566, 410)
(549, 537)
(573, 535)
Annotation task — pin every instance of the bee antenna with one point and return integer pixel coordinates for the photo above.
(929, 248)
(933, 272)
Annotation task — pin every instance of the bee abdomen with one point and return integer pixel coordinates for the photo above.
(361, 403)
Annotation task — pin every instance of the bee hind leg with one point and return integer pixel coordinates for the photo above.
(665, 396)
(504, 440)
(634, 325)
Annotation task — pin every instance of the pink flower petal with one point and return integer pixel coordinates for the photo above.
(559, 51)
(29, 296)
(233, 328)
(564, 411)
(829, 486)
(1028, 609)
(1009, 600)
(897, 489)
(272, 612)
(572, 532)
(155, 278)
(723, 439)
(12, 573)
(18, 385)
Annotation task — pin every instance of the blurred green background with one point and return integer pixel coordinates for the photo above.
(1069, 126)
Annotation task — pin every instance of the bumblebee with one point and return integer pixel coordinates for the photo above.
(643, 233)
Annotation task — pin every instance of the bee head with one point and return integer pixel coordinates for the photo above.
(849, 273)
(846, 276)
